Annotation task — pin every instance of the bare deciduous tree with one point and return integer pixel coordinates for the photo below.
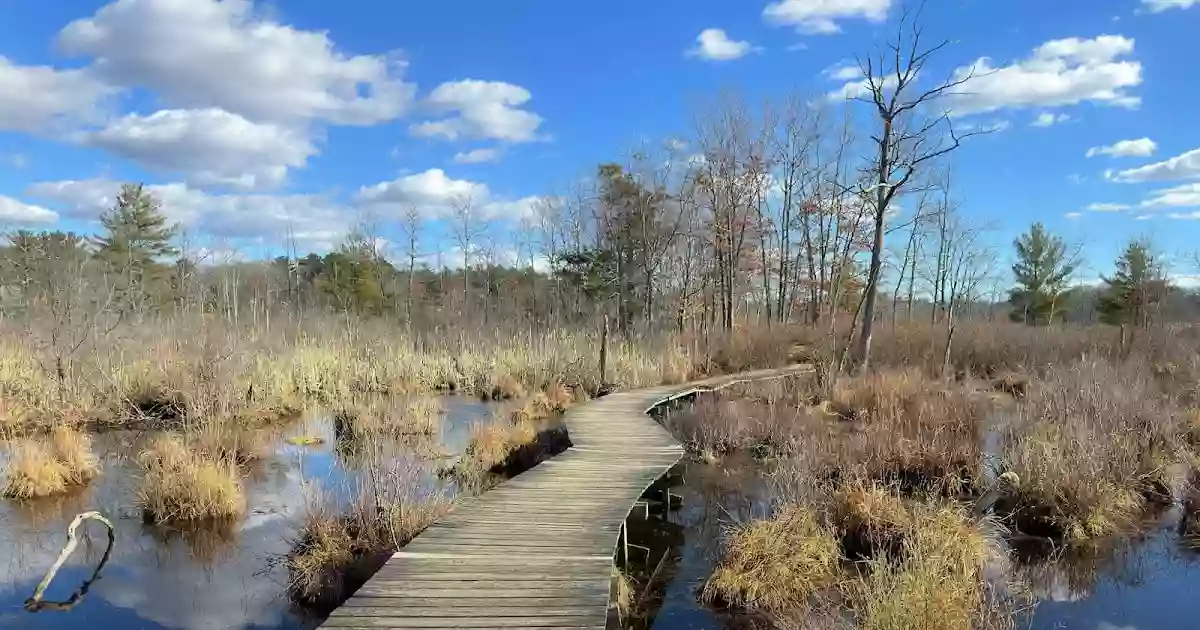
(909, 136)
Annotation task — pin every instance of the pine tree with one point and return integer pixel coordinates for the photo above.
(137, 238)
(1134, 288)
(1041, 271)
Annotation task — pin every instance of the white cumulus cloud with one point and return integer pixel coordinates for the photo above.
(1058, 73)
(712, 44)
(210, 53)
(481, 110)
(432, 191)
(1181, 167)
(211, 147)
(1185, 196)
(435, 194)
(823, 16)
(314, 220)
(35, 97)
(1141, 147)
(16, 211)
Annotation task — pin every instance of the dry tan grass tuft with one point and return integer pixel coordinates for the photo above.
(397, 415)
(337, 552)
(40, 467)
(776, 564)
(186, 484)
(34, 471)
(1092, 444)
(74, 449)
(937, 583)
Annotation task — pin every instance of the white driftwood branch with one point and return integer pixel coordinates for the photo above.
(35, 601)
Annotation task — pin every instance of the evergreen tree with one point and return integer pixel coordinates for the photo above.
(1134, 288)
(1041, 271)
(135, 241)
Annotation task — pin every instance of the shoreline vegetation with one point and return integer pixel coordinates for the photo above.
(900, 489)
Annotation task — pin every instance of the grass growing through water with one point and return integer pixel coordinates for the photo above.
(936, 582)
(41, 466)
(777, 564)
(517, 437)
(1092, 444)
(181, 483)
(338, 550)
(920, 561)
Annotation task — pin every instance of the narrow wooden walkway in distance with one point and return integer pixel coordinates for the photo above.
(537, 550)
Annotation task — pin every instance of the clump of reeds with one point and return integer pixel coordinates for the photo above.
(336, 552)
(40, 467)
(1092, 444)
(777, 564)
(412, 414)
(715, 426)
(516, 428)
(920, 560)
(915, 430)
(182, 483)
(936, 580)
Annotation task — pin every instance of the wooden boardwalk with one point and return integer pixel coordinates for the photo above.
(537, 550)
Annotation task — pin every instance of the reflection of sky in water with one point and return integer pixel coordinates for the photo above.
(195, 579)
(1144, 583)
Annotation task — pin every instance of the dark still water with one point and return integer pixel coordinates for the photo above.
(190, 579)
(1145, 582)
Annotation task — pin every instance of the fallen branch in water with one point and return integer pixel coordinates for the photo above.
(35, 603)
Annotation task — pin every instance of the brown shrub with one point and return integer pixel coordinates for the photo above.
(912, 430)
(1092, 443)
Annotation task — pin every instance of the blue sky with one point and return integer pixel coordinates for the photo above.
(255, 120)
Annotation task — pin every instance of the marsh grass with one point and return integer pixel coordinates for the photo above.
(392, 414)
(920, 432)
(936, 582)
(778, 564)
(895, 426)
(715, 426)
(181, 483)
(1093, 445)
(45, 466)
(517, 437)
(338, 549)
(890, 561)
(177, 372)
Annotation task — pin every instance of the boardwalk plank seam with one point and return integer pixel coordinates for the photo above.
(567, 512)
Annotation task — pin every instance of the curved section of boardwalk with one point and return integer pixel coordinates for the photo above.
(536, 551)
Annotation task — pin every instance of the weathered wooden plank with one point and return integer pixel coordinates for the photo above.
(491, 575)
(581, 620)
(563, 610)
(370, 590)
(467, 603)
(467, 587)
(535, 552)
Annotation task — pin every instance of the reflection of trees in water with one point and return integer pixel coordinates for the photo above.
(51, 511)
(717, 497)
(205, 543)
(1067, 574)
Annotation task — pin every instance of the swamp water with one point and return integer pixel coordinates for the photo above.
(193, 578)
(1134, 582)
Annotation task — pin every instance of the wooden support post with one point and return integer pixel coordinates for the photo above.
(604, 352)
(625, 541)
